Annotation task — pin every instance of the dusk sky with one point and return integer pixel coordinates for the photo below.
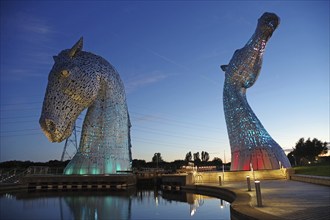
(168, 54)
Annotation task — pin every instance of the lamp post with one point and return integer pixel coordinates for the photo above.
(251, 167)
(223, 172)
(248, 183)
(258, 192)
(156, 155)
(295, 161)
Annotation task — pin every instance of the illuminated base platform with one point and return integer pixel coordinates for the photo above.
(79, 182)
(176, 181)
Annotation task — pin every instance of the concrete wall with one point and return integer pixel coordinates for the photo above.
(178, 179)
(321, 180)
(60, 182)
(213, 177)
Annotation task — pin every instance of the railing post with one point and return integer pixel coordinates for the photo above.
(220, 183)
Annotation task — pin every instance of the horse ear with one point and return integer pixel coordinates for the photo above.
(224, 67)
(55, 58)
(76, 48)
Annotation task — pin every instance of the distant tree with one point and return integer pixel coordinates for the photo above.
(196, 157)
(157, 158)
(138, 163)
(56, 163)
(15, 164)
(216, 162)
(177, 164)
(188, 157)
(20, 166)
(217, 159)
(205, 156)
(307, 151)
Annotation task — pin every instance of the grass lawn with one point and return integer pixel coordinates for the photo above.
(315, 170)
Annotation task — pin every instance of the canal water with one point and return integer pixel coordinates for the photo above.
(128, 204)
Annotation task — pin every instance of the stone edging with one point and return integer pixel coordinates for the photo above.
(240, 201)
(321, 180)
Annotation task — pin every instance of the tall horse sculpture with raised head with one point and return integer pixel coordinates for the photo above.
(250, 143)
(80, 80)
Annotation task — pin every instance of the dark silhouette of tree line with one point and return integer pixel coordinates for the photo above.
(307, 151)
(197, 159)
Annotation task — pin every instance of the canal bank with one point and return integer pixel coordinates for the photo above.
(281, 199)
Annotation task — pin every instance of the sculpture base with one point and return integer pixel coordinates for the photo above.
(82, 164)
(261, 158)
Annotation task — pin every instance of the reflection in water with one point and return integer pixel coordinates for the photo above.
(195, 201)
(128, 204)
(114, 206)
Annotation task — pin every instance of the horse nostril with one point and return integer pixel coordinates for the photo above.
(50, 125)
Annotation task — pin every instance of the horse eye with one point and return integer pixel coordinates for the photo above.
(65, 73)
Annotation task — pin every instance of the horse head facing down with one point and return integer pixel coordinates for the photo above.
(250, 143)
(80, 80)
(69, 91)
(244, 67)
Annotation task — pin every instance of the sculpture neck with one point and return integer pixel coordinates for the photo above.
(106, 127)
(105, 146)
(257, 43)
(103, 117)
(244, 128)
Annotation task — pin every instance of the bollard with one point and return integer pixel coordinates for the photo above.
(258, 192)
(248, 183)
(220, 183)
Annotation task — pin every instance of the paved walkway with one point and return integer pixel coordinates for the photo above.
(287, 199)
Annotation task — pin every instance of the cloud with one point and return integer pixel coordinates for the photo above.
(155, 53)
(32, 24)
(29, 65)
(17, 74)
(27, 45)
(40, 58)
(38, 27)
(167, 59)
(145, 118)
(141, 81)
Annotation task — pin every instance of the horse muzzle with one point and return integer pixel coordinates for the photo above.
(268, 23)
(51, 130)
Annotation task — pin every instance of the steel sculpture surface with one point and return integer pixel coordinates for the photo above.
(250, 143)
(80, 80)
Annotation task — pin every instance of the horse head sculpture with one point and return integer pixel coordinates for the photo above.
(251, 145)
(80, 80)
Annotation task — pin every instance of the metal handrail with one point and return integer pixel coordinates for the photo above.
(13, 176)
